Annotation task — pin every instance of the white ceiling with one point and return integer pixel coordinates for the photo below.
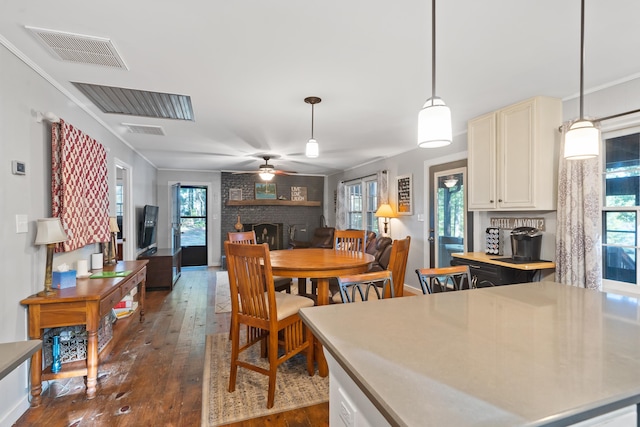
(248, 65)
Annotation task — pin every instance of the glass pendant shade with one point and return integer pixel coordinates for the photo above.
(434, 124)
(582, 141)
(266, 176)
(312, 149)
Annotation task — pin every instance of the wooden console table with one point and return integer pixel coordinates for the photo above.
(85, 304)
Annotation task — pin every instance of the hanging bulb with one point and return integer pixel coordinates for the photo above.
(434, 120)
(582, 141)
(434, 124)
(312, 149)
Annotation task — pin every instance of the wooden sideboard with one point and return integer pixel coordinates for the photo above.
(85, 304)
(164, 268)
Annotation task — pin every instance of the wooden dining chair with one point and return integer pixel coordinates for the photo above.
(398, 263)
(350, 240)
(271, 317)
(445, 278)
(365, 286)
(249, 238)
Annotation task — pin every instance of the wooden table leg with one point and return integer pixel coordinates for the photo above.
(323, 299)
(323, 291)
(36, 378)
(93, 321)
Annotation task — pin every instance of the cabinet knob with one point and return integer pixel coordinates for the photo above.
(490, 201)
(500, 200)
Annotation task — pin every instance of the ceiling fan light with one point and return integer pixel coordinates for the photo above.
(312, 150)
(266, 176)
(582, 141)
(434, 124)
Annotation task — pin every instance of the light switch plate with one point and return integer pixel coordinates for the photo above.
(18, 167)
(22, 224)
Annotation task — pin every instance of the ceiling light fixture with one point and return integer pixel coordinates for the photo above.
(582, 140)
(266, 175)
(312, 149)
(450, 182)
(434, 120)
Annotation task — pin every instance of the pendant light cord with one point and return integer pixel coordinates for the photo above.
(581, 60)
(433, 48)
(312, 106)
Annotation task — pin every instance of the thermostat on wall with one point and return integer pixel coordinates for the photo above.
(18, 167)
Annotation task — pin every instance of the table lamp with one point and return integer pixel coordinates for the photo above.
(385, 211)
(112, 254)
(49, 233)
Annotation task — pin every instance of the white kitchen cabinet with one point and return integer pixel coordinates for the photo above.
(513, 157)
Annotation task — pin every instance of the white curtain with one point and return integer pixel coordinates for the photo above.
(579, 226)
(341, 207)
(383, 187)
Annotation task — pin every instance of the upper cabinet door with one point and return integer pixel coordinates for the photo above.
(519, 144)
(482, 168)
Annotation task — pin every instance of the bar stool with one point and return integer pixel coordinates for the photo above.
(446, 278)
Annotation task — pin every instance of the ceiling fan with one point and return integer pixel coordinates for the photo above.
(267, 171)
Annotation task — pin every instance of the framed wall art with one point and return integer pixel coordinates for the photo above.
(265, 190)
(404, 195)
(235, 194)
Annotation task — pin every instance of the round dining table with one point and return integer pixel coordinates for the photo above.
(320, 264)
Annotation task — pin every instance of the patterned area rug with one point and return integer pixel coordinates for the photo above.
(294, 387)
(223, 300)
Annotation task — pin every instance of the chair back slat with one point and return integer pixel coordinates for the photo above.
(457, 277)
(245, 237)
(398, 263)
(365, 285)
(249, 268)
(350, 240)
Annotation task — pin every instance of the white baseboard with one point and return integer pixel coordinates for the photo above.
(8, 419)
(410, 290)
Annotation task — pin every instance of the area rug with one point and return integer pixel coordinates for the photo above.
(223, 300)
(294, 387)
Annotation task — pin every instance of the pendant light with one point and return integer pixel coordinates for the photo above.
(434, 120)
(312, 149)
(582, 140)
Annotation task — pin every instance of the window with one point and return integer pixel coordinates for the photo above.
(362, 203)
(620, 212)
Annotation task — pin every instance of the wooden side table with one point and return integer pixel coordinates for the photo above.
(85, 304)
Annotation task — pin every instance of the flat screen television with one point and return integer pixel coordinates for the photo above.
(148, 226)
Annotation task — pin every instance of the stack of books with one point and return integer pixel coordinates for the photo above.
(127, 306)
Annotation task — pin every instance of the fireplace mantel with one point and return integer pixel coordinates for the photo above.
(271, 202)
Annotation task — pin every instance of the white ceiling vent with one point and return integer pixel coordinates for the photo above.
(144, 129)
(79, 48)
(133, 102)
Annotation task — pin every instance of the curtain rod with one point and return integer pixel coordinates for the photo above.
(613, 116)
(361, 177)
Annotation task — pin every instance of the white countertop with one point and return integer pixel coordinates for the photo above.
(12, 354)
(529, 354)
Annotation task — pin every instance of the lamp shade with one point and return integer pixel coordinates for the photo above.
(582, 141)
(266, 176)
(49, 231)
(113, 225)
(434, 124)
(385, 211)
(312, 150)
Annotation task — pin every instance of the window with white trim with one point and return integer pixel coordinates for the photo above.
(362, 203)
(620, 210)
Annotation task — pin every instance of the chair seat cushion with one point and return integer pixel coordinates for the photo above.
(288, 304)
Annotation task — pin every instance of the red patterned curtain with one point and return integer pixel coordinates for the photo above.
(79, 186)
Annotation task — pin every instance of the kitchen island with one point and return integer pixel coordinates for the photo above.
(523, 355)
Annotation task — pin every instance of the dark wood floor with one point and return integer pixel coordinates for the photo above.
(151, 373)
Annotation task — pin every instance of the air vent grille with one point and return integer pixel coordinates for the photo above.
(80, 48)
(144, 129)
(133, 102)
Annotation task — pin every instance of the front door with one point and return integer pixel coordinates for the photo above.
(193, 225)
(449, 229)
